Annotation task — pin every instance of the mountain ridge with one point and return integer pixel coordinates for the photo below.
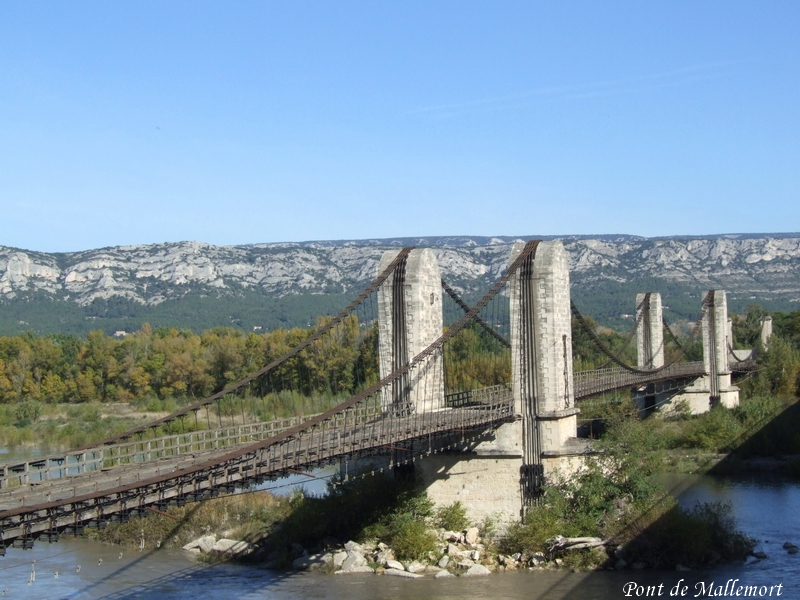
(121, 285)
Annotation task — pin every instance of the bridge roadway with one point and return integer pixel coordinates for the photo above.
(68, 501)
(600, 381)
(157, 450)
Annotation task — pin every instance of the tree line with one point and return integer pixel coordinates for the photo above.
(178, 363)
(172, 363)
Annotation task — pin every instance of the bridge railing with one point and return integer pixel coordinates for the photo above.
(40, 470)
(742, 366)
(598, 381)
(352, 433)
(487, 395)
(49, 468)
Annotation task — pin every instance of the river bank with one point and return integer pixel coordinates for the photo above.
(38, 428)
(681, 461)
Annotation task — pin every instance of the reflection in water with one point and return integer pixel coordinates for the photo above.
(765, 509)
(20, 454)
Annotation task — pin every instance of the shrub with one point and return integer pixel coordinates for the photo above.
(758, 410)
(452, 517)
(714, 430)
(28, 411)
(411, 540)
(691, 538)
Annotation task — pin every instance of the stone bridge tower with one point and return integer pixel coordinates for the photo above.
(715, 386)
(410, 320)
(541, 364)
(650, 351)
(716, 350)
(649, 331)
(504, 474)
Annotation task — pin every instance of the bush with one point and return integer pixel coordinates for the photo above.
(691, 538)
(28, 412)
(452, 517)
(411, 540)
(757, 410)
(715, 430)
(371, 508)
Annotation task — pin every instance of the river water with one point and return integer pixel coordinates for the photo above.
(767, 509)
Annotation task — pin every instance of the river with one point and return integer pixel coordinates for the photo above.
(767, 509)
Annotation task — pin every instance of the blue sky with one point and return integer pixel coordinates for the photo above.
(245, 122)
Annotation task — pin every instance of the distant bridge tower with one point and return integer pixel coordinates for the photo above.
(766, 331)
(730, 333)
(649, 331)
(410, 319)
(716, 350)
(650, 350)
(715, 387)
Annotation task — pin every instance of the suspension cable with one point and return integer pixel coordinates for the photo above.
(402, 255)
(603, 348)
(465, 307)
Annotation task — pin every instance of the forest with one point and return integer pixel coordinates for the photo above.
(158, 369)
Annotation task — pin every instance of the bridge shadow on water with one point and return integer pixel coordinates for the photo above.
(200, 580)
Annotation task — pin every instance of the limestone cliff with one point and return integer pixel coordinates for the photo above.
(764, 268)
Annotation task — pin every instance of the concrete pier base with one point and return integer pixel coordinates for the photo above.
(484, 475)
(696, 397)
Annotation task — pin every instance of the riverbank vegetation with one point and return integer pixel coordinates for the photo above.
(616, 498)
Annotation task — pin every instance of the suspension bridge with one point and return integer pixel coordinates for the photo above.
(484, 395)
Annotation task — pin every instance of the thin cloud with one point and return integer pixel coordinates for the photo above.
(612, 87)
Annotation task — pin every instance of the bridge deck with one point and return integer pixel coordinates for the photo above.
(35, 508)
(598, 381)
(48, 494)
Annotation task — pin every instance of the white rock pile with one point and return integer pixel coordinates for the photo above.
(458, 554)
(209, 544)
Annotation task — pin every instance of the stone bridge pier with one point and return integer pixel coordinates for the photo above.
(504, 474)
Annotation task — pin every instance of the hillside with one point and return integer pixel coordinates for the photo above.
(197, 285)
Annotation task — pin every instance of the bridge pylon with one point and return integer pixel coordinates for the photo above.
(541, 365)
(766, 331)
(649, 331)
(505, 473)
(715, 386)
(650, 351)
(410, 319)
(716, 350)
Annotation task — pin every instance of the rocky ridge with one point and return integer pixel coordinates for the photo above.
(149, 274)
(759, 268)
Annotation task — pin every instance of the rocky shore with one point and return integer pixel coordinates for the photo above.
(461, 553)
(458, 554)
